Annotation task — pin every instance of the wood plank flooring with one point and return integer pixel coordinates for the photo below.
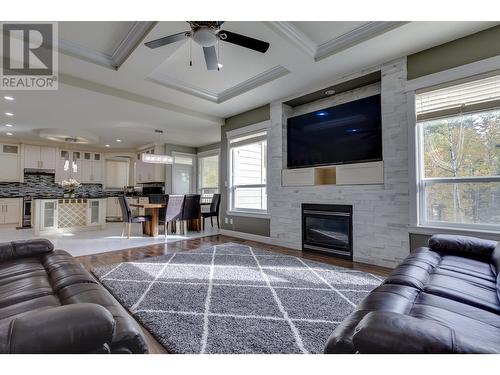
(91, 261)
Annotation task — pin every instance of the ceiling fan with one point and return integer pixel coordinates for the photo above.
(208, 34)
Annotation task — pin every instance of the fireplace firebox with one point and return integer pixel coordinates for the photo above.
(327, 228)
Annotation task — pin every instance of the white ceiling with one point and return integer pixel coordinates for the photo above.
(157, 89)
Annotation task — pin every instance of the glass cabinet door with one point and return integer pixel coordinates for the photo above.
(49, 214)
(94, 212)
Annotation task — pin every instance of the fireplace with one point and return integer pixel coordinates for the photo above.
(327, 228)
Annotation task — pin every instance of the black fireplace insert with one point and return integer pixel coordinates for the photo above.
(327, 228)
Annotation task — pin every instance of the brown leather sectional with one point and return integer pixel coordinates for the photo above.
(50, 304)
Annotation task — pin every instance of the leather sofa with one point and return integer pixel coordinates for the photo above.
(444, 298)
(50, 304)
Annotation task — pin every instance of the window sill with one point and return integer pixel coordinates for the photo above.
(430, 230)
(263, 215)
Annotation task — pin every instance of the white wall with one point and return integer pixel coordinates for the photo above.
(380, 212)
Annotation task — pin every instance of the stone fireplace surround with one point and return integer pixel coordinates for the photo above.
(380, 212)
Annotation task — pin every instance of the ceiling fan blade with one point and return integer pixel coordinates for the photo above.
(167, 40)
(244, 41)
(210, 58)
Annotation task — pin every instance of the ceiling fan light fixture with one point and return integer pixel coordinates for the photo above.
(205, 37)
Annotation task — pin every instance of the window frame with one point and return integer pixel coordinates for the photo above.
(249, 130)
(200, 156)
(418, 181)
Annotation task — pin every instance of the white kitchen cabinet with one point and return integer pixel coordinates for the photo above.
(95, 215)
(149, 172)
(10, 210)
(48, 214)
(31, 157)
(113, 208)
(10, 163)
(39, 157)
(117, 174)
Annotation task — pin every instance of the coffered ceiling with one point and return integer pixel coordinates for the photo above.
(110, 83)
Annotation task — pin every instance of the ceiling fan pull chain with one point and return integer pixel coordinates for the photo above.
(218, 57)
(190, 52)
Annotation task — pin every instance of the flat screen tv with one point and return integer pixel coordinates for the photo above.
(346, 133)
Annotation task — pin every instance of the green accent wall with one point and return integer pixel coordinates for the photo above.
(252, 225)
(466, 50)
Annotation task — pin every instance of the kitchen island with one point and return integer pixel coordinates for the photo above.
(68, 214)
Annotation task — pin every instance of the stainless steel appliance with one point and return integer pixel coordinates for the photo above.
(27, 209)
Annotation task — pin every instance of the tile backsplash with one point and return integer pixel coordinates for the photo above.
(37, 185)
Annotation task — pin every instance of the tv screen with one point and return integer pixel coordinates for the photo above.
(346, 133)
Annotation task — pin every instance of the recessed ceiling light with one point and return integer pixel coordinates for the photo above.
(9, 114)
(329, 92)
(9, 125)
(107, 146)
(8, 133)
(118, 140)
(8, 98)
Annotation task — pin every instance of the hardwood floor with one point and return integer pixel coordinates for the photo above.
(91, 261)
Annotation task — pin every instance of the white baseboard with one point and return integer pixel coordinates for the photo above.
(257, 238)
(246, 236)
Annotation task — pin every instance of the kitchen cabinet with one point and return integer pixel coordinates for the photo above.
(48, 214)
(95, 215)
(117, 174)
(68, 215)
(10, 163)
(89, 166)
(39, 157)
(149, 172)
(113, 208)
(10, 210)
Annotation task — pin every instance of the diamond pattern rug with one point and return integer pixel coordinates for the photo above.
(233, 298)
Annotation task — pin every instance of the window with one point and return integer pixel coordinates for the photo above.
(208, 172)
(248, 172)
(458, 133)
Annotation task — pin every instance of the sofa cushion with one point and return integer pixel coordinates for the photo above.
(127, 333)
(463, 245)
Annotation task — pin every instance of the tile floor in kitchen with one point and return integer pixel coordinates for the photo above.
(80, 243)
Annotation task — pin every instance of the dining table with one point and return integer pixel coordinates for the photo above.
(150, 228)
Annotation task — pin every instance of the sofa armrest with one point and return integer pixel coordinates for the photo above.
(388, 332)
(463, 245)
(24, 248)
(78, 328)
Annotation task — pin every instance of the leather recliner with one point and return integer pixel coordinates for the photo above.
(50, 304)
(444, 298)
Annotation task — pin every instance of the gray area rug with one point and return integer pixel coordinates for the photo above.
(232, 298)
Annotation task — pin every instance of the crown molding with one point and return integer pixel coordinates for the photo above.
(184, 87)
(353, 37)
(320, 51)
(254, 82)
(134, 37)
(129, 43)
(84, 53)
(241, 88)
(295, 35)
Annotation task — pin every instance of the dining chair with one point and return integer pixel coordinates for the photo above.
(128, 218)
(175, 205)
(213, 211)
(192, 209)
